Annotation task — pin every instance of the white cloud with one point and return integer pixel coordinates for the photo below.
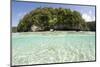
(21, 15)
(94, 18)
(88, 18)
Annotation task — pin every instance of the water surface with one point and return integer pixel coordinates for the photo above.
(52, 47)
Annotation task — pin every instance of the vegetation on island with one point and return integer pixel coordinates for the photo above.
(44, 19)
(91, 25)
(14, 29)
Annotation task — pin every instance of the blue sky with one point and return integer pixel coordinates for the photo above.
(19, 9)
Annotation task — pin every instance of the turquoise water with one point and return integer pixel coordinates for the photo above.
(52, 47)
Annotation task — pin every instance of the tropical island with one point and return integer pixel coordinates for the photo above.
(50, 19)
(46, 33)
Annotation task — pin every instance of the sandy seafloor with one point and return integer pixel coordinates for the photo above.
(52, 47)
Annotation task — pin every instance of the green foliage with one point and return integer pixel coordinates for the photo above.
(14, 29)
(47, 18)
(91, 25)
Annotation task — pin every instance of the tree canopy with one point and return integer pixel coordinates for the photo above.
(56, 18)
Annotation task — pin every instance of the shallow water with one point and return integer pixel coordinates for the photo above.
(52, 47)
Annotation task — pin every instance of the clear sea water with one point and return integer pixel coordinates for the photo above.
(52, 47)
